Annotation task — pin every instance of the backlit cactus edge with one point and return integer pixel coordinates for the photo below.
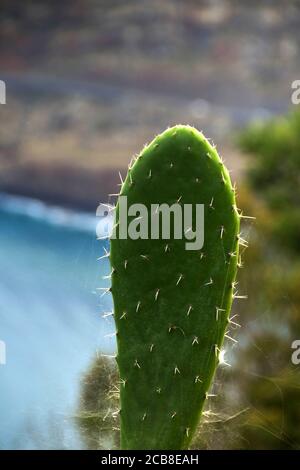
(171, 305)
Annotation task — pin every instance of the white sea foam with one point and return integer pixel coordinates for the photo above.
(54, 215)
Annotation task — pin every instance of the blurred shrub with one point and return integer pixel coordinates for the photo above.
(97, 417)
(268, 382)
(275, 172)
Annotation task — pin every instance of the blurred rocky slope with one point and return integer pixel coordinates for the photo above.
(88, 82)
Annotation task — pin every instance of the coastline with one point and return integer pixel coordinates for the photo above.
(70, 189)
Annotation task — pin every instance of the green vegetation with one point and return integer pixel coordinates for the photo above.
(271, 384)
(275, 149)
(99, 404)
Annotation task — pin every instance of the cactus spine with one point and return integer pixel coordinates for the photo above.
(171, 305)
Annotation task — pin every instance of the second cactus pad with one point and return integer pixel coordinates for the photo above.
(171, 304)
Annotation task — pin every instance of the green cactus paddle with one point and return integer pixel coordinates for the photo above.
(171, 304)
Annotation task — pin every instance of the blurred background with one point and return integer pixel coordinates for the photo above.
(87, 84)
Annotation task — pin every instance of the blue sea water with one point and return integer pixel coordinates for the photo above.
(50, 320)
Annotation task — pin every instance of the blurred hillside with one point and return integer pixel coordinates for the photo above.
(89, 82)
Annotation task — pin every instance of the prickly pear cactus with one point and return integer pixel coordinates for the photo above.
(171, 305)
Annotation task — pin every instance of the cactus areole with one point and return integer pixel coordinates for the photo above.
(172, 304)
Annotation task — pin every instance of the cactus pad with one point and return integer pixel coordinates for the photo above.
(171, 305)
